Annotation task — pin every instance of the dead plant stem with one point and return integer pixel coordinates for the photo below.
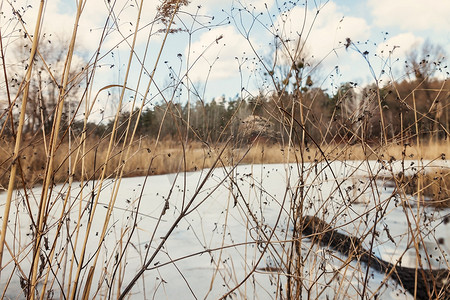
(20, 130)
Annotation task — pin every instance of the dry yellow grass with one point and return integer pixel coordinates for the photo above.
(433, 184)
(168, 156)
(392, 151)
(436, 186)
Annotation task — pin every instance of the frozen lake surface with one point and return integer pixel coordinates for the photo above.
(234, 233)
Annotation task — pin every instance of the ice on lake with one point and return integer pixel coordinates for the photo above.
(230, 230)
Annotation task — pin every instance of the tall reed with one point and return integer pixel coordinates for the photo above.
(16, 153)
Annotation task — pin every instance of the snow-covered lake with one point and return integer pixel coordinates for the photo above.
(235, 231)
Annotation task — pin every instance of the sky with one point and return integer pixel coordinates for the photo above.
(226, 47)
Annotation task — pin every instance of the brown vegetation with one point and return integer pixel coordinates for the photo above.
(149, 157)
(431, 186)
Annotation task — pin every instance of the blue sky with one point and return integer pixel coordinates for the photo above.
(230, 65)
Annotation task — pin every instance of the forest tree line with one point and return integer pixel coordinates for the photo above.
(350, 115)
(296, 109)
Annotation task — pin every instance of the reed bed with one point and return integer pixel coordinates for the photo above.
(167, 158)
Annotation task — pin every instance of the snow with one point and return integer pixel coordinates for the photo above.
(223, 234)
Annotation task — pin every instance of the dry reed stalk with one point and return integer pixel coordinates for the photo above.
(49, 170)
(107, 158)
(19, 132)
(120, 172)
(417, 221)
(77, 227)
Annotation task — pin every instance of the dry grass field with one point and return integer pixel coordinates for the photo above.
(168, 157)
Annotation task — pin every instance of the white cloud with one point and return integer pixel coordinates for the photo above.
(397, 46)
(214, 5)
(125, 15)
(411, 14)
(216, 50)
(59, 19)
(327, 32)
(257, 5)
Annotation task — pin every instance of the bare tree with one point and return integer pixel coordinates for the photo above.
(424, 62)
(45, 81)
